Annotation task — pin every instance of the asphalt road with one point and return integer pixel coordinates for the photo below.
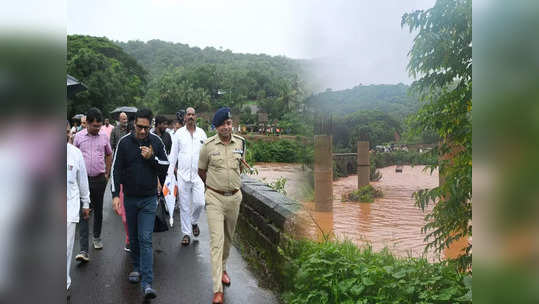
(181, 274)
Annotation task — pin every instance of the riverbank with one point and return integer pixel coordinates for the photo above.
(392, 221)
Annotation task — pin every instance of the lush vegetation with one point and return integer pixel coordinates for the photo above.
(393, 100)
(379, 113)
(340, 272)
(168, 76)
(365, 194)
(208, 78)
(113, 78)
(441, 56)
(279, 185)
(284, 150)
(385, 159)
(373, 126)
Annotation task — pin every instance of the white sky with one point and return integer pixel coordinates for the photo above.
(361, 41)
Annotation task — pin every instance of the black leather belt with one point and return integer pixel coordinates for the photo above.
(225, 193)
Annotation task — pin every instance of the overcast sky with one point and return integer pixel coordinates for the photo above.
(359, 41)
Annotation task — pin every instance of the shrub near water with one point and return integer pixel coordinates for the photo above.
(340, 272)
(284, 150)
(365, 194)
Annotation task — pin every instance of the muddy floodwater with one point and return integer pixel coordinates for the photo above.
(393, 221)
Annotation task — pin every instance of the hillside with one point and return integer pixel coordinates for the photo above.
(180, 75)
(390, 99)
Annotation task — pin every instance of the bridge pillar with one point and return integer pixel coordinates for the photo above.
(363, 164)
(323, 173)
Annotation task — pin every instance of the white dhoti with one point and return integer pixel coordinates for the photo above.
(191, 203)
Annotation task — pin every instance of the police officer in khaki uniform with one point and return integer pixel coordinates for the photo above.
(219, 167)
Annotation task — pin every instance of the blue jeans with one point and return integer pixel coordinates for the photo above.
(140, 215)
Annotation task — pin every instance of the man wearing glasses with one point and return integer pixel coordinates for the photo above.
(140, 160)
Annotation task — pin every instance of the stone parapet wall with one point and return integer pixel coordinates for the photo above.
(263, 226)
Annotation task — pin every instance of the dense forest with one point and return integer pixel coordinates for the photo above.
(376, 113)
(210, 78)
(167, 76)
(113, 77)
(393, 100)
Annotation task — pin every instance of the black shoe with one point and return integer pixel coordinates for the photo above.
(126, 248)
(149, 292)
(196, 230)
(82, 257)
(186, 240)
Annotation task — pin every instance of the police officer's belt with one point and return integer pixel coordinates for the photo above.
(225, 193)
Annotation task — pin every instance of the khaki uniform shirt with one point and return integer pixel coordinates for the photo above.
(222, 162)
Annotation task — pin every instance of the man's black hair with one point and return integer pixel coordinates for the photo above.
(94, 114)
(160, 119)
(144, 113)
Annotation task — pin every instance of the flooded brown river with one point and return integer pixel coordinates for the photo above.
(393, 221)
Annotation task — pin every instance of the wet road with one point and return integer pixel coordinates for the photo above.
(181, 274)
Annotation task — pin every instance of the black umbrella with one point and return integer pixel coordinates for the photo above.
(78, 116)
(130, 111)
(74, 86)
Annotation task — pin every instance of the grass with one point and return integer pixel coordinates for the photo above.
(340, 272)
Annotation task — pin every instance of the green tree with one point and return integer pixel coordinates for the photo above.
(176, 91)
(442, 56)
(112, 77)
(373, 126)
(227, 78)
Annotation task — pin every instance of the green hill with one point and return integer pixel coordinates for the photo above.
(180, 75)
(393, 100)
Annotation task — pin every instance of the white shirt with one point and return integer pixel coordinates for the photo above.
(77, 184)
(186, 149)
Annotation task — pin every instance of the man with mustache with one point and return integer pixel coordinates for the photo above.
(186, 144)
(219, 167)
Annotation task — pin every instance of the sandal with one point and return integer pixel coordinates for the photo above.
(217, 298)
(196, 230)
(225, 279)
(186, 240)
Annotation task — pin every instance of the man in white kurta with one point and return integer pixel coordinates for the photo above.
(186, 144)
(78, 193)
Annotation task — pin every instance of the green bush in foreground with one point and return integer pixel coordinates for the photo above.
(340, 272)
(365, 194)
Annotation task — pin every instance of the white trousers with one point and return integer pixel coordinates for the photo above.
(71, 227)
(191, 203)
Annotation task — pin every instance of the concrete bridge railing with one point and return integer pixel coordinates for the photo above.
(265, 219)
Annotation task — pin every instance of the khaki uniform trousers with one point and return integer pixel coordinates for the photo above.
(222, 212)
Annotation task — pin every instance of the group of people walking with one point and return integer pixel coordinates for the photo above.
(137, 161)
